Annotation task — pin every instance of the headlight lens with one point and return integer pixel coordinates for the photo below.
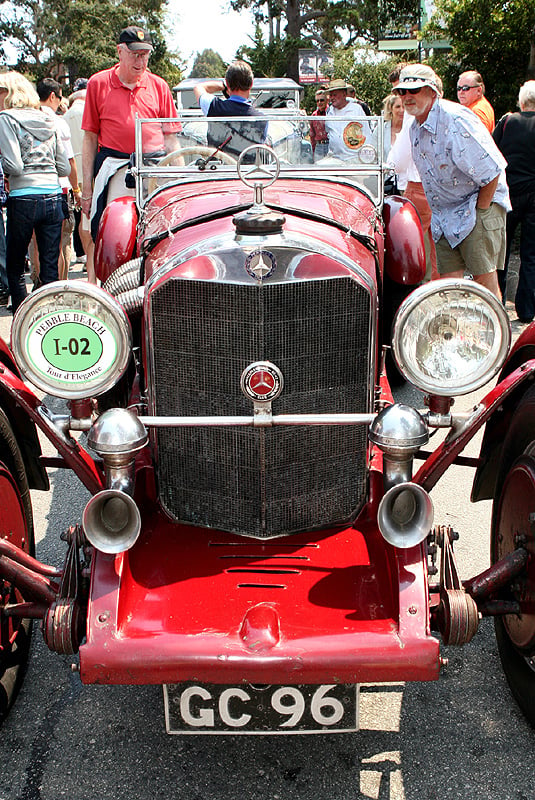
(450, 337)
(71, 340)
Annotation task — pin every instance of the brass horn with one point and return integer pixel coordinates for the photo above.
(405, 515)
(111, 521)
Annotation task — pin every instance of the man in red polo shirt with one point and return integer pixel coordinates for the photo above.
(114, 97)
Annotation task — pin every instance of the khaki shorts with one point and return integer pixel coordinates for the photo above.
(482, 251)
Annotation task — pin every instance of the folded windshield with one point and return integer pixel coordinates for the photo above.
(208, 148)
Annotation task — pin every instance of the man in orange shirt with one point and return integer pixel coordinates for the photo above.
(471, 94)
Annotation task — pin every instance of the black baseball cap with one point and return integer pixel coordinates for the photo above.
(135, 38)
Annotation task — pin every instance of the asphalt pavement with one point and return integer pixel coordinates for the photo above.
(459, 737)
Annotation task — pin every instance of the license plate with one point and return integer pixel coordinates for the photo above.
(217, 709)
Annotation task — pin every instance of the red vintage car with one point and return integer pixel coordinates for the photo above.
(260, 537)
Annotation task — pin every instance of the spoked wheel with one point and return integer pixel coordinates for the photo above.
(513, 527)
(16, 526)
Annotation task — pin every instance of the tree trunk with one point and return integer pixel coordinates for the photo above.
(293, 18)
(293, 30)
(531, 65)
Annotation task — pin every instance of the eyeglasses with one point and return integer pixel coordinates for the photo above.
(467, 88)
(139, 54)
(403, 92)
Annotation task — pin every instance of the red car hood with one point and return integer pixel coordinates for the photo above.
(315, 208)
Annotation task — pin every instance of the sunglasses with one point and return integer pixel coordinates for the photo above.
(403, 92)
(466, 88)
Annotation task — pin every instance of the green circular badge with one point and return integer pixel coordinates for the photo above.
(71, 339)
(71, 347)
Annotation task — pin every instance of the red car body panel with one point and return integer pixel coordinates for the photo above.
(330, 606)
(74, 455)
(116, 238)
(404, 249)
(445, 454)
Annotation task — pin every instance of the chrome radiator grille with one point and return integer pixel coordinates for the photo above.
(261, 482)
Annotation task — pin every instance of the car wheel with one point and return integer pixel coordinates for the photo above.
(16, 526)
(514, 526)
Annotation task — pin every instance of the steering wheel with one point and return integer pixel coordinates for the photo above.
(193, 150)
(196, 150)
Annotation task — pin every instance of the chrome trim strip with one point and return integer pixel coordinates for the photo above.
(279, 419)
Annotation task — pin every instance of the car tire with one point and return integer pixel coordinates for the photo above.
(514, 503)
(16, 526)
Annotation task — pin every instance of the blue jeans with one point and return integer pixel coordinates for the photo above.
(44, 214)
(3, 275)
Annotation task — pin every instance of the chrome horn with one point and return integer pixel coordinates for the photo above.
(405, 515)
(111, 519)
(399, 431)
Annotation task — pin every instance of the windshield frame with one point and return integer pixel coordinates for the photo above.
(368, 176)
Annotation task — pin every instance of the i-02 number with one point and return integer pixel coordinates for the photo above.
(73, 347)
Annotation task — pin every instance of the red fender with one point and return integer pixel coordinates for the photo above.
(404, 241)
(116, 237)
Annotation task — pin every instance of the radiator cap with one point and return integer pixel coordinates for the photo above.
(259, 220)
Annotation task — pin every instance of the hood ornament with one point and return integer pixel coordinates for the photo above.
(259, 219)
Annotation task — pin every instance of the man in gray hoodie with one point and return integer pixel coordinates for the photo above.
(33, 159)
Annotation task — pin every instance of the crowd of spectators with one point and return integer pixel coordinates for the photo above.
(472, 182)
(476, 178)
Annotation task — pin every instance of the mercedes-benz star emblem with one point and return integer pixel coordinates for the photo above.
(262, 381)
(260, 264)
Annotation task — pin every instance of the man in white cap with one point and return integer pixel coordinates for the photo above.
(463, 174)
(345, 138)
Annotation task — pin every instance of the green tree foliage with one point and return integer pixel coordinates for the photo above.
(328, 21)
(494, 37)
(269, 59)
(69, 38)
(309, 23)
(369, 76)
(208, 64)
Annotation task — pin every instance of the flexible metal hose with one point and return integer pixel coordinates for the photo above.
(125, 277)
(131, 300)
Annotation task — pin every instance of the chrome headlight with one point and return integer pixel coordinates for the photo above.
(450, 337)
(71, 339)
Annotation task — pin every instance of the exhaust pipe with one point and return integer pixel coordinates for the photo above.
(405, 515)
